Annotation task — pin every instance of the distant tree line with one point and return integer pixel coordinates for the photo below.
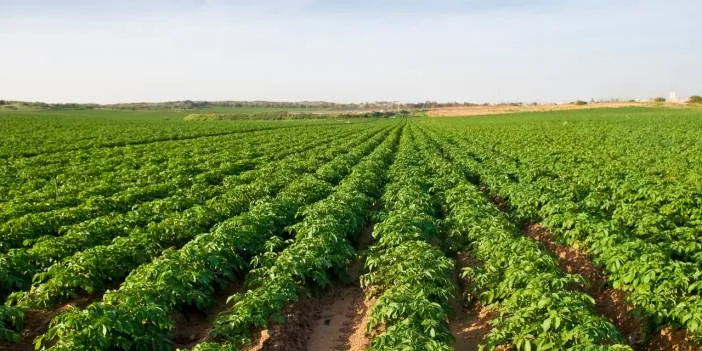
(389, 106)
(317, 105)
(46, 106)
(285, 115)
(321, 105)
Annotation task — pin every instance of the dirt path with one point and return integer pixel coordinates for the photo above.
(334, 321)
(192, 326)
(484, 110)
(294, 333)
(469, 326)
(37, 322)
(471, 320)
(610, 302)
(343, 319)
(341, 324)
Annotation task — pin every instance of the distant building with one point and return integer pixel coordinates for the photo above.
(673, 97)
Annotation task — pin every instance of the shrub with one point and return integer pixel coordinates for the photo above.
(695, 99)
(659, 99)
(580, 102)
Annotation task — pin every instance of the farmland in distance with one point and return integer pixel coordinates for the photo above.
(561, 230)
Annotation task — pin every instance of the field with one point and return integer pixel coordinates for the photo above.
(562, 230)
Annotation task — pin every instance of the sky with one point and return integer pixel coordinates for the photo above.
(349, 51)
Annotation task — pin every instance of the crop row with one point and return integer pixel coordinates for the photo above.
(90, 270)
(60, 132)
(29, 178)
(538, 309)
(82, 177)
(666, 290)
(188, 277)
(19, 231)
(19, 265)
(410, 275)
(321, 246)
(643, 185)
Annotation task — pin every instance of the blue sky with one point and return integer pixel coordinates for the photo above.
(411, 50)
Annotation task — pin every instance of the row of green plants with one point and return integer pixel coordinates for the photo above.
(54, 175)
(92, 269)
(21, 232)
(664, 290)
(18, 266)
(408, 275)
(55, 183)
(538, 309)
(31, 134)
(642, 174)
(190, 275)
(320, 248)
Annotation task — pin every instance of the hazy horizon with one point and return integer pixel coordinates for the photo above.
(348, 51)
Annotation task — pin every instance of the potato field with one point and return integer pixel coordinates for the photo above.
(571, 230)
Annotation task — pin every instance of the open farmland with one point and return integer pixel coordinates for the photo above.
(564, 230)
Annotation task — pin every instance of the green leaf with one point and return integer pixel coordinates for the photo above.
(546, 325)
(527, 345)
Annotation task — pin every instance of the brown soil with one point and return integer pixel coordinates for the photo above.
(500, 203)
(342, 322)
(470, 326)
(293, 334)
(471, 320)
(610, 302)
(37, 322)
(668, 339)
(482, 110)
(360, 340)
(191, 326)
(336, 329)
(334, 321)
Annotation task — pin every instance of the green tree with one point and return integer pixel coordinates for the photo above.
(695, 99)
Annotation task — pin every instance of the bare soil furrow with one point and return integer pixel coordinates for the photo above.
(609, 302)
(335, 320)
(471, 320)
(37, 321)
(191, 326)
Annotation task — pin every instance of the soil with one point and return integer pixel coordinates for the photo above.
(293, 334)
(471, 320)
(191, 326)
(342, 322)
(668, 339)
(339, 326)
(37, 322)
(482, 110)
(334, 321)
(610, 302)
(360, 340)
